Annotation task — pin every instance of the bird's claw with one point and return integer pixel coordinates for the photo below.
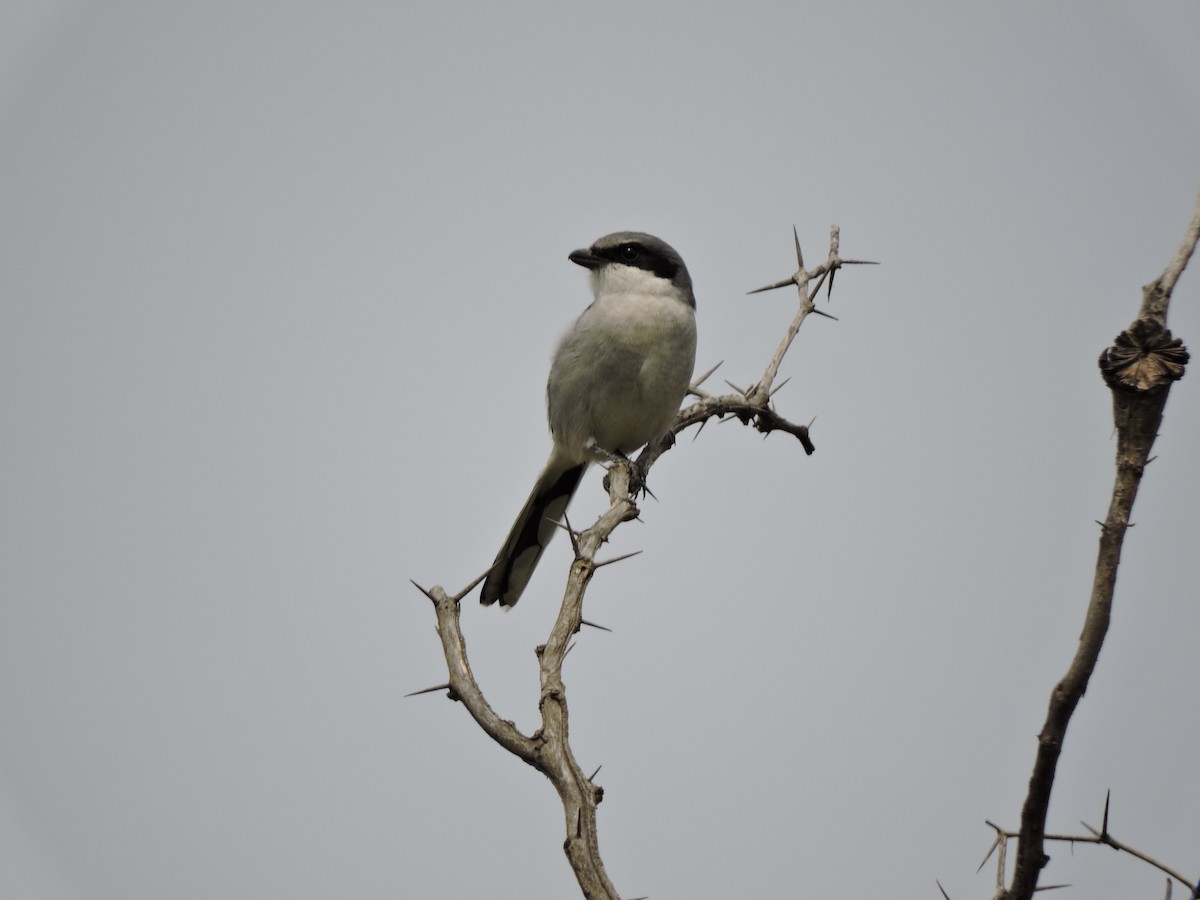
(637, 476)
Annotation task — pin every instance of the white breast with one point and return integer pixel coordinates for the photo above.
(623, 369)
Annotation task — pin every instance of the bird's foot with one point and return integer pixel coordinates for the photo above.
(637, 476)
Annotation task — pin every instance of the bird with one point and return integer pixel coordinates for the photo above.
(617, 379)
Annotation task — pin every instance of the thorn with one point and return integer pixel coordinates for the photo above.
(859, 262)
(799, 255)
(942, 889)
(571, 534)
(787, 282)
(817, 290)
(1104, 821)
(592, 777)
(432, 598)
(820, 312)
(991, 850)
(698, 430)
(829, 287)
(570, 647)
(470, 587)
(703, 378)
(594, 625)
(779, 386)
(1050, 887)
(436, 687)
(617, 559)
(741, 391)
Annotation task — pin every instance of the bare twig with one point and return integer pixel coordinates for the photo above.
(547, 750)
(800, 278)
(1103, 837)
(462, 682)
(1139, 369)
(752, 405)
(1157, 295)
(1096, 836)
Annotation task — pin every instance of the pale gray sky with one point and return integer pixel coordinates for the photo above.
(280, 283)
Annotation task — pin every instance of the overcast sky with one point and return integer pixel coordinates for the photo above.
(279, 285)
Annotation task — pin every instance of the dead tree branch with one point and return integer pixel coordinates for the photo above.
(752, 405)
(1096, 836)
(1139, 369)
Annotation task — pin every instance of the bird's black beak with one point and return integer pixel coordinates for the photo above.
(586, 258)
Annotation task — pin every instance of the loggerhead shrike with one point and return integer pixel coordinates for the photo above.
(618, 377)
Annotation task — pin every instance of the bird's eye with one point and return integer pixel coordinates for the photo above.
(630, 252)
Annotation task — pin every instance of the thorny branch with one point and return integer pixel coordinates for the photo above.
(752, 405)
(548, 749)
(1097, 836)
(1139, 369)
